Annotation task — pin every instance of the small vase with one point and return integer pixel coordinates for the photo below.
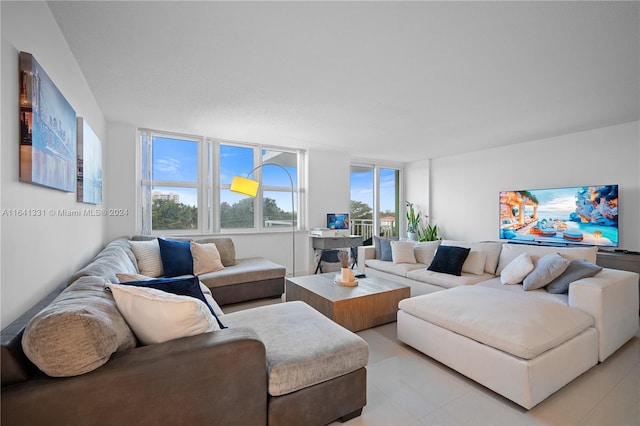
(411, 236)
(347, 275)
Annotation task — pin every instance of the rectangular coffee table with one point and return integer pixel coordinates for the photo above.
(374, 301)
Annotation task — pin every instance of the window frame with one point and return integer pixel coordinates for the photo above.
(376, 167)
(209, 185)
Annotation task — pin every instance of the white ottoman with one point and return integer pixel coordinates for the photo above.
(521, 347)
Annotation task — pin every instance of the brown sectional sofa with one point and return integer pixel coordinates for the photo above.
(272, 365)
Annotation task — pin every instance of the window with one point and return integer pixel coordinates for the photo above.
(273, 207)
(185, 185)
(375, 200)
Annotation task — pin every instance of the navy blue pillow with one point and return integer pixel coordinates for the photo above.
(176, 257)
(449, 260)
(179, 286)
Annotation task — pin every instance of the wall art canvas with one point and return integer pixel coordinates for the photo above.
(47, 130)
(89, 164)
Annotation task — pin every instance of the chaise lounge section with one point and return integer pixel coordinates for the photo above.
(523, 344)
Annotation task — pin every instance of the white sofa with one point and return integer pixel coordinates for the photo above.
(524, 345)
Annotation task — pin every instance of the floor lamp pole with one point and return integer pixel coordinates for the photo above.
(293, 220)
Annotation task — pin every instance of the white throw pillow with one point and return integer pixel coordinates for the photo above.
(548, 268)
(156, 316)
(474, 264)
(206, 258)
(206, 291)
(402, 252)
(424, 252)
(148, 257)
(517, 269)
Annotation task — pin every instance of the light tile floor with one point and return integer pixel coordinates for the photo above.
(406, 387)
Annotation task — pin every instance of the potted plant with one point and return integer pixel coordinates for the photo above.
(429, 233)
(413, 222)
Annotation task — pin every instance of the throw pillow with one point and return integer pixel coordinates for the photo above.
(157, 316)
(576, 270)
(176, 257)
(383, 248)
(123, 278)
(225, 247)
(206, 258)
(424, 252)
(517, 269)
(548, 268)
(180, 286)
(449, 260)
(78, 331)
(402, 252)
(474, 264)
(148, 257)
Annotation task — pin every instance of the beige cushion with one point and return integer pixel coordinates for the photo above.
(78, 331)
(303, 346)
(424, 252)
(225, 247)
(511, 251)
(401, 269)
(157, 316)
(148, 257)
(446, 280)
(245, 271)
(402, 252)
(522, 326)
(474, 263)
(206, 258)
(517, 269)
(491, 250)
(123, 278)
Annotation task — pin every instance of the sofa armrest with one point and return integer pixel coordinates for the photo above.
(364, 253)
(211, 378)
(611, 298)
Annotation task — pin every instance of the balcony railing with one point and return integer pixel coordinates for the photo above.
(364, 227)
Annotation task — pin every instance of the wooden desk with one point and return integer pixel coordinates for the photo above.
(331, 243)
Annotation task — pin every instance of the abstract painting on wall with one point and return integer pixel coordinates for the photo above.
(89, 164)
(47, 130)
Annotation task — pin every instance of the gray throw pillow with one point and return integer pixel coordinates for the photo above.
(547, 269)
(577, 270)
(383, 248)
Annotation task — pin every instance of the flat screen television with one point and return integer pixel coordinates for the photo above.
(583, 215)
(338, 220)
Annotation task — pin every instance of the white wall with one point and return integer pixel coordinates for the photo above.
(464, 188)
(417, 186)
(39, 253)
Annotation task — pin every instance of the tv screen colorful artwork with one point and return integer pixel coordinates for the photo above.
(578, 215)
(338, 220)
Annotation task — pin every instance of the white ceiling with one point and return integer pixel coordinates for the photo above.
(397, 81)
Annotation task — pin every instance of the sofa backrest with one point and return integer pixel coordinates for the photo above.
(511, 251)
(489, 248)
(116, 257)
